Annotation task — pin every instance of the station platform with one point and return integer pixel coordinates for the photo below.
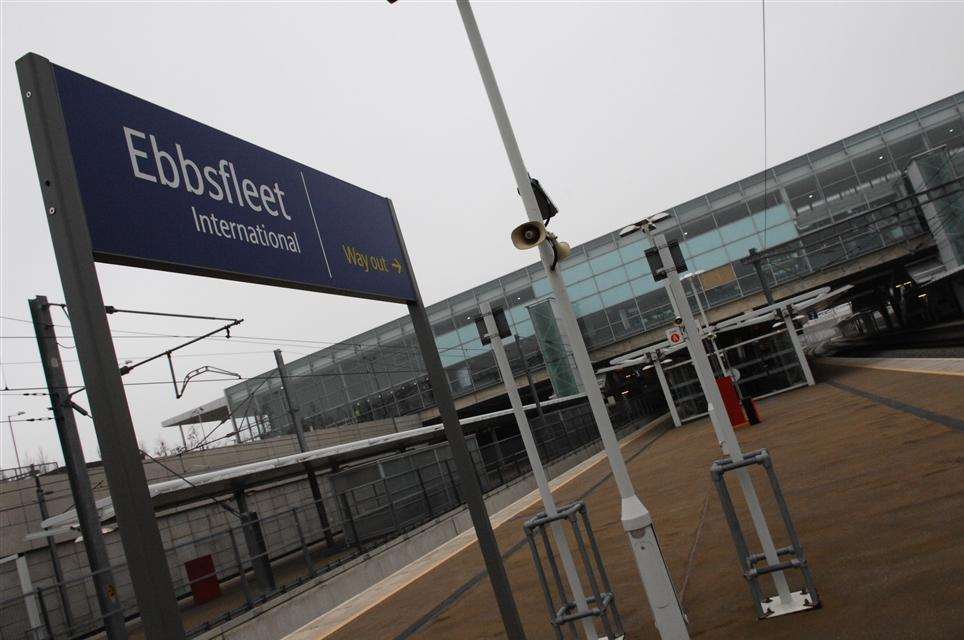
(872, 464)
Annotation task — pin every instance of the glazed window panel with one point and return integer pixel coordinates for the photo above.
(618, 294)
(576, 273)
(611, 279)
(605, 262)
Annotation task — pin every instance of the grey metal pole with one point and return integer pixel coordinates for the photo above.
(64, 210)
(80, 488)
(717, 411)
(787, 316)
(706, 323)
(532, 386)
(471, 491)
(538, 472)
(13, 439)
(756, 259)
(54, 559)
(635, 518)
(296, 426)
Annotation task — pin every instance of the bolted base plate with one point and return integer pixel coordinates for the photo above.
(799, 601)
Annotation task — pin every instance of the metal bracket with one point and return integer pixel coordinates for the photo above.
(601, 604)
(750, 563)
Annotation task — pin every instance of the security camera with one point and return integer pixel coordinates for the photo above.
(678, 321)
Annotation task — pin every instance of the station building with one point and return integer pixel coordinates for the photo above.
(835, 215)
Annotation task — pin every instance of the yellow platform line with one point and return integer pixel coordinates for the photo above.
(343, 614)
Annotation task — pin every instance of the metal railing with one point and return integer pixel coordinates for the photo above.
(250, 557)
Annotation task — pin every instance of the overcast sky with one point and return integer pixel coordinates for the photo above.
(621, 109)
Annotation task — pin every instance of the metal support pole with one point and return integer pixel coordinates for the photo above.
(183, 439)
(254, 540)
(532, 386)
(54, 559)
(425, 497)
(13, 439)
(538, 472)
(351, 522)
(301, 540)
(64, 211)
(764, 284)
(80, 489)
(664, 385)
(296, 426)
(471, 490)
(636, 519)
(787, 316)
(706, 324)
(30, 600)
(717, 411)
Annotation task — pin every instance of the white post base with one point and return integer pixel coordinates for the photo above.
(668, 615)
(799, 601)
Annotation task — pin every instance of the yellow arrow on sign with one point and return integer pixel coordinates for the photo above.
(397, 265)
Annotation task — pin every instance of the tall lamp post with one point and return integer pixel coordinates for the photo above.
(14, 439)
(787, 601)
(691, 277)
(636, 519)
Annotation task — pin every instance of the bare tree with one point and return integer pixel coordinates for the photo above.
(161, 450)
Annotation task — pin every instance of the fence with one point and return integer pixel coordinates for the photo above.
(767, 364)
(227, 561)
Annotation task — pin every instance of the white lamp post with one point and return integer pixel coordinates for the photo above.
(726, 436)
(636, 519)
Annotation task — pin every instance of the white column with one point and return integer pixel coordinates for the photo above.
(538, 472)
(30, 600)
(635, 517)
(665, 386)
(787, 316)
(717, 411)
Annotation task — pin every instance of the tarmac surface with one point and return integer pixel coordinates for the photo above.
(872, 465)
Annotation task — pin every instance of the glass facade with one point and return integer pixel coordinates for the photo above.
(810, 205)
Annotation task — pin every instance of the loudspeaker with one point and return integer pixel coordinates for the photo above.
(528, 235)
(563, 250)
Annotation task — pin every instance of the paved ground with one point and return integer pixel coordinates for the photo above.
(876, 489)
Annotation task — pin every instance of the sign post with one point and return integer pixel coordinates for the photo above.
(127, 182)
(146, 561)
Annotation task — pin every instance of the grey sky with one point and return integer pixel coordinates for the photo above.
(620, 108)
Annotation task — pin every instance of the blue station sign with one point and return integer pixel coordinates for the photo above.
(164, 191)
